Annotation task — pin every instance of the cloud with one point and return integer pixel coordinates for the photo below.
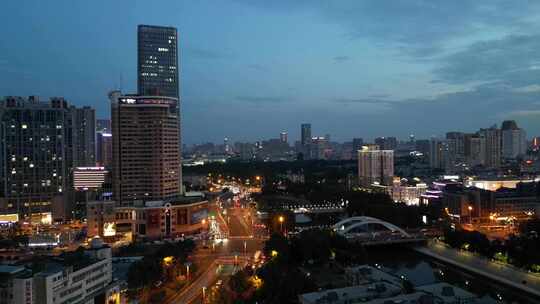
(510, 61)
(339, 59)
(423, 27)
(258, 67)
(363, 101)
(204, 54)
(523, 113)
(261, 99)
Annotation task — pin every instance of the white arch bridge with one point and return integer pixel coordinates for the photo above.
(373, 231)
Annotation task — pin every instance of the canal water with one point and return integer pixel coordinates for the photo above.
(422, 270)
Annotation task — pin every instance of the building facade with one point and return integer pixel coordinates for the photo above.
(157, 61)
(375, 166)
(146, 148)
(83, 121)
(514, 140)
(153, 220)
(40, 144)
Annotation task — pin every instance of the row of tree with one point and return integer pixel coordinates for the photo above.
(282, 279)
(161, 264)
(520, 250)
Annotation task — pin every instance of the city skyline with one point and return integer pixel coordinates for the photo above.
(350, 69)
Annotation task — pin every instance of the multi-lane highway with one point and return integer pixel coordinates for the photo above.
(237, 250)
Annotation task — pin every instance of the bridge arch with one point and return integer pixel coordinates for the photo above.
(347, 225)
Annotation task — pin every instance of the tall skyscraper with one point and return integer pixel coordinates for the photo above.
(146, 148)
(357, 144)
(40, 144)
(475, 150)
(104, 149)
(375, 166)
(157, 68)
(83, 121)
(514, 141)
(305, 140)
(305, 137)
(438, 154)
(493, 154)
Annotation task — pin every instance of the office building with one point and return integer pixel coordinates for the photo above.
(386, 143)
(475, 150)
(438, 154)
(157, 61)
(375, 166)
(456, 145)
(305, 140)
(72, 277)
(357, 144)
(319, 148)
(492, 137)
(305, 134)
(283, 137)
(146, 148)
(40, 143)
(514, 141)
(104, 149)
(83, 121)
(154, 220)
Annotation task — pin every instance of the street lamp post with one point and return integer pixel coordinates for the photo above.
(470, 214)
(204, 294)
(281, 219)
(245, 247)
(187, 270)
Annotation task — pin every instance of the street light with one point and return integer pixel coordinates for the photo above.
(204, 294)
(245, 247)
(187, 270)
(470, 214)
(281, 219)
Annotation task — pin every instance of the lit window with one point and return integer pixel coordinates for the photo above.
(24, 126)
(31, 165)
(25, 158)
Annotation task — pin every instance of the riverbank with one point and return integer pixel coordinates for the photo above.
(503, 274)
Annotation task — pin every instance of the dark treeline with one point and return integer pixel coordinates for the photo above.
(519, 250)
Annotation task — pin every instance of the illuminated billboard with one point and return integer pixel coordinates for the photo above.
(109, 229)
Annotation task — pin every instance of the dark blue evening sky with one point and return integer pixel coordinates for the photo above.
(253, 68)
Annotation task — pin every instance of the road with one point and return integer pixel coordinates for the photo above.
(237, 249)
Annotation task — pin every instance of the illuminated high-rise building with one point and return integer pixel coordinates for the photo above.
(283, 137)
(375, 166)
(40, 142)
(157, 68)
(514, 141)
(146, 148)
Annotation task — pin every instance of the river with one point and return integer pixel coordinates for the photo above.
(422, 270)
